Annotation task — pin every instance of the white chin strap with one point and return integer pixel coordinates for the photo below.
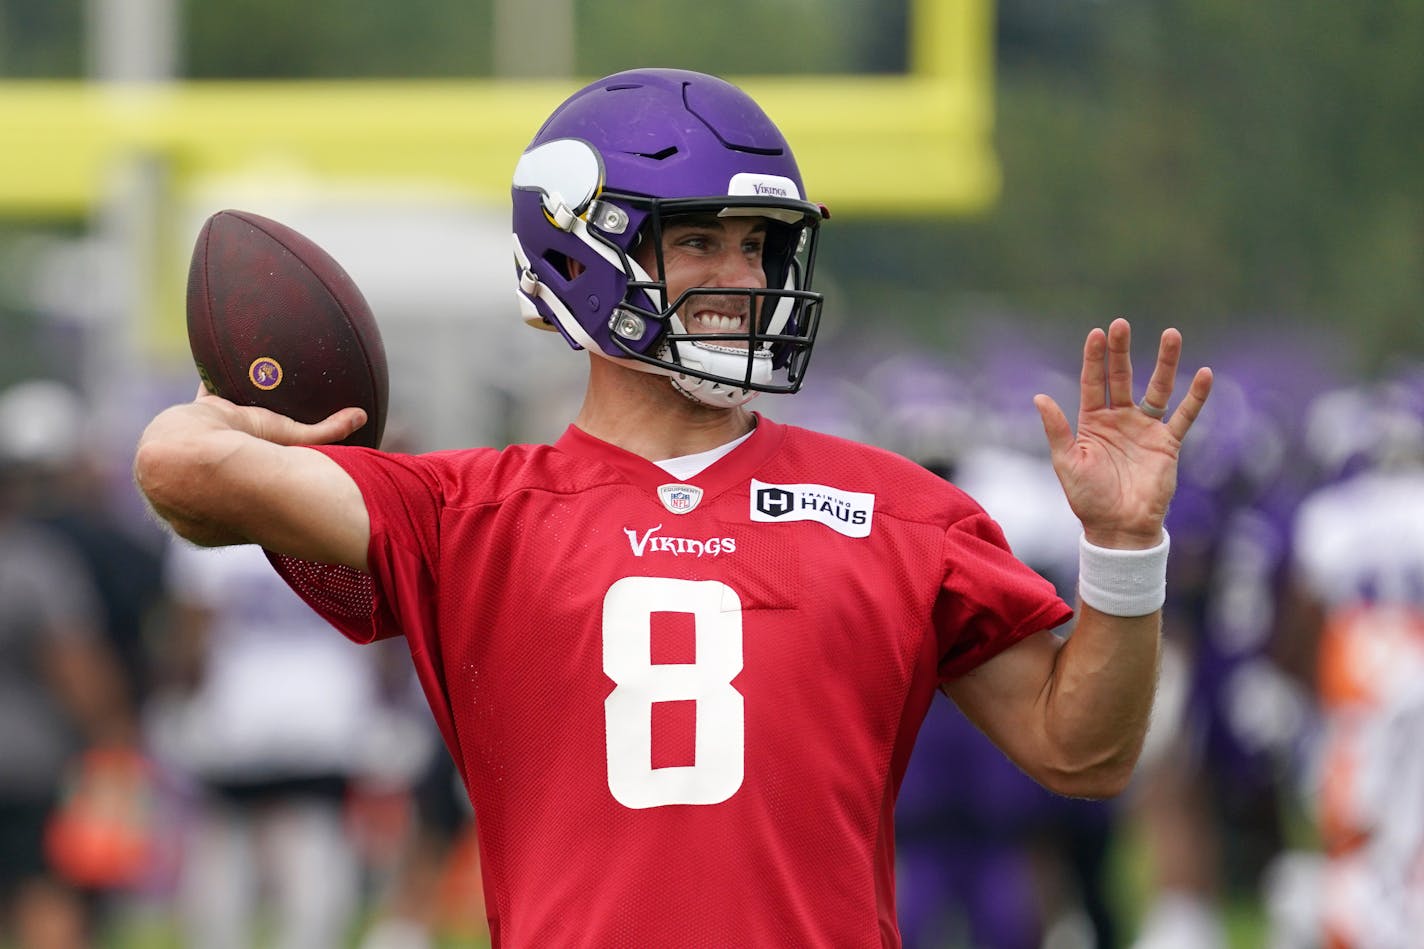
(723, 361)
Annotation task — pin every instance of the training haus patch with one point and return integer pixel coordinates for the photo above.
(845, 512)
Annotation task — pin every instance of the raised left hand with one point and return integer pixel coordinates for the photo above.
(1119, 470)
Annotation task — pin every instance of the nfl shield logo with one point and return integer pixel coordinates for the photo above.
(680, 498)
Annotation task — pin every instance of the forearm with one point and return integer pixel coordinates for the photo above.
(178, 460)
(1073, 712)
(220, 473)
(1098, 700)
(1099, 695)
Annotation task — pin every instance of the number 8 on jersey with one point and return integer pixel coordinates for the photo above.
(719, 746)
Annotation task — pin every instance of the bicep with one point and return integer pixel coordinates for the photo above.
(310, 508)
(1004, 696)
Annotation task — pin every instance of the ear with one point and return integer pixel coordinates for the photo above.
(575, 268)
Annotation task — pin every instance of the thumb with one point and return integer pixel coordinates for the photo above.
(1055, 424)
(336, 426)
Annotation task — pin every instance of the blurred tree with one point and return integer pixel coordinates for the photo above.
(1198, 161)
(329, 38)
(41, 39)
(743, 37)
(1194, 161)
(248, 39)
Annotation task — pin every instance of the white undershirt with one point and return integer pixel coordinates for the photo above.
(689, 466)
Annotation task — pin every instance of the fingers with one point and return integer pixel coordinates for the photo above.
(338, 425)
(1163, 381)
(1164, 375)
(333, 428)
(1107, 370)
(346, 421)
(1119, 365)
(1107, 382)
(277, 428)
(1182, 419)
(280, 429)
(1093, 382)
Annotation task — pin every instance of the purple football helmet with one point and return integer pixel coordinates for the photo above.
(606, 172)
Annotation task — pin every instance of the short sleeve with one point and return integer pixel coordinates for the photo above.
(403, 499)
(988, 599)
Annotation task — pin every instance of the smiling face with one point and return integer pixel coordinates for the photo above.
(704, 250)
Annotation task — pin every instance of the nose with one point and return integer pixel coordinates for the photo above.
(737, 268)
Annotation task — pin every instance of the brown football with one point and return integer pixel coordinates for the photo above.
(274, 321)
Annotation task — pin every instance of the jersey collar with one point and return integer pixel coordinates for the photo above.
(736, 468)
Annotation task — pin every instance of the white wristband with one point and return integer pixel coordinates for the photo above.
(1123, 582)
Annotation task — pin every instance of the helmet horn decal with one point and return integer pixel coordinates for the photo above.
(567, 173)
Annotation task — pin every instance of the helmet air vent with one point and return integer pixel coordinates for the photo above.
(660, 155)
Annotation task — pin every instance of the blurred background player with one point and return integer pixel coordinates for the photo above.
(47, 435)
(63, 705)
(270, 717)
(1208, 806)
(1356, 634)
(434, 892)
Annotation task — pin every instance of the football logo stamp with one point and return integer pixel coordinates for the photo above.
(265, 373)
(680, 498)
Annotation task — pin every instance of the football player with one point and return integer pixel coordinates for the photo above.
(680, 655)
(1358, 638)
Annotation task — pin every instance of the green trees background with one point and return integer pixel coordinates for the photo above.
(1212, 163)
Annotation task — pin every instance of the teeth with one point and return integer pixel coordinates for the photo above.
(718, 323)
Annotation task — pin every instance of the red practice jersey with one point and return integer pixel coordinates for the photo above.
(682, 710)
